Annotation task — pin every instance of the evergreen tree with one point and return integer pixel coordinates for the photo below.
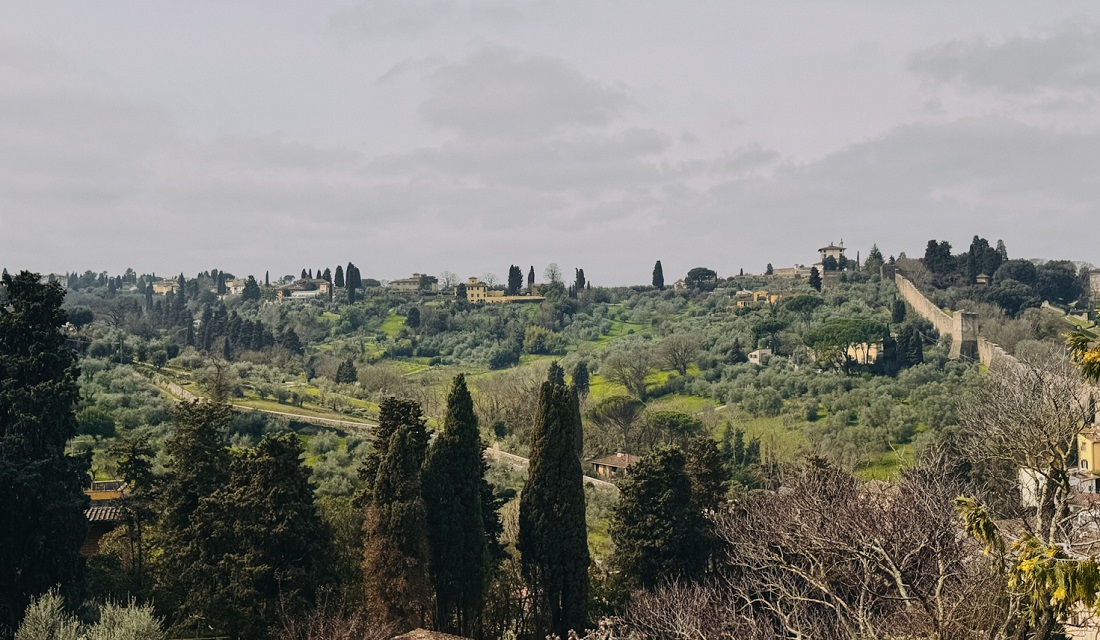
(658, 529)
(197, 467)
(897, 314)
(531, 280)
(579, 281)
(327, 275)
(261, 542)
(515, 280)
(352, 281)
(267, 278)
(453, 486)
(412, 318)
(338, 277)
(705, 469)
(395, 563)
(251, 289)
(658, 276)
(1002, 251)
(291, 342)
(347, 373)
(768, 270)
(552, 533)
(873, 263)
(815, 279)
(581, 377)
(304, 275)
(42, 521)
(149, 297)
(183, 287)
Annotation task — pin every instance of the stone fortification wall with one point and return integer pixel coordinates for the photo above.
(962, 326)
(943, 322)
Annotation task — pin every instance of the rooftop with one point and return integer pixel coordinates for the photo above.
(617, 460)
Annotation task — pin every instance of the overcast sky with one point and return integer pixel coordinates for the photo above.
(430, 135)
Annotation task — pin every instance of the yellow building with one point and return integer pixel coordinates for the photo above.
(162, 287)
(756, 298)
(476, 291)
(1088, 449)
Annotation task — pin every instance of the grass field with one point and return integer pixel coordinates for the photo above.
(392, 325)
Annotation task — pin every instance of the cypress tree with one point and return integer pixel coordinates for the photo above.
(815, 278)
(42, 524)
(338, 278)
(453, 481)
(658, 276)
(515, 280)
(267, 278)
(395, 561)
(658, 529)
(531, 280)
(552, 532)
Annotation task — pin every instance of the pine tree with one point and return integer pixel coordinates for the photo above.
(657, 527)
(552, 532)
(42, 521)
(261, 542)
(338, 277)
(658, 276)
(768, 270)
(453, 486)
(395, 562)
(815, 278)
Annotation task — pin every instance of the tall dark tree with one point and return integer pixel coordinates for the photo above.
(251, 289)
(581, 377)
(197, 467)
(262, 543)
(338, 278)
(327, 275)
(267, 278)
(460, 551)
(897, 313)
(658, 276)
(769, 270)
(346, 373)
(515, 280)
(395, 563)
(412, 318)
(658, 529)
(291, 341)
(42, 521)
(531, 280)
(352, 281)
(149, 297)
(815, 278)
(579, 281)
(552, 534)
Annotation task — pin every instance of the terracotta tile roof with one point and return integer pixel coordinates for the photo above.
(423, 634)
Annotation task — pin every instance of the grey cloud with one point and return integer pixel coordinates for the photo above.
(500, 93)
(1064, 59)
(583, 164)
(396, 18)
(381, 18)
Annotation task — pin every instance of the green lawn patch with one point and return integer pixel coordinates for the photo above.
(392, 324)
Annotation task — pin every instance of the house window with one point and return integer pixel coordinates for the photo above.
(1085, 464)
